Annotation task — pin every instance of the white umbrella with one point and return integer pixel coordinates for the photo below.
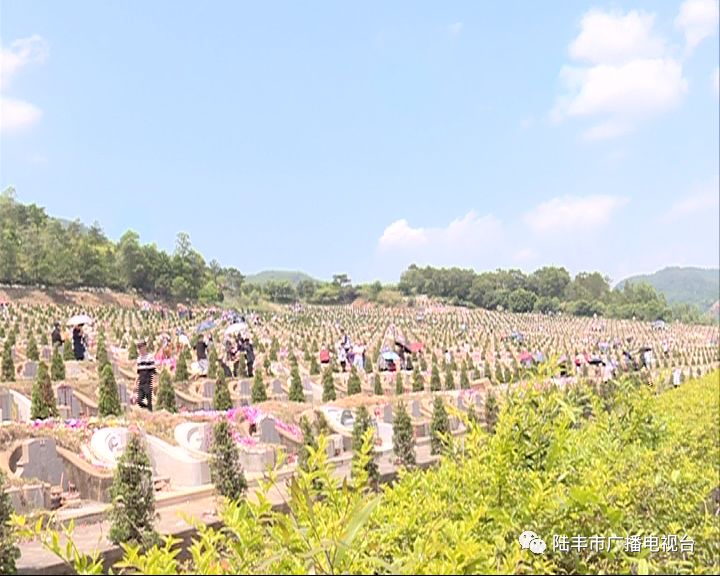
(79, 319)
(238, 327)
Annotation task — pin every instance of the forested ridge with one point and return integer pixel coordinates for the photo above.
(39, 250)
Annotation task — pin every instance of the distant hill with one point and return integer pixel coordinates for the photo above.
(695, 286)
(292, 276)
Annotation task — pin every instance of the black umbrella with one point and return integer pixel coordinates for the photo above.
(596, 361)
(645, 349)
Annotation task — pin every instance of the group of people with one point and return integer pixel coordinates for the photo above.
(347, 354)
(236, 347)
(80, 340)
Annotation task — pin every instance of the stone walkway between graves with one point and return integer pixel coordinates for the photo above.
(91, 530)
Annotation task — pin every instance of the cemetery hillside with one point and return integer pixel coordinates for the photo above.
(40, 250)
(360, 288)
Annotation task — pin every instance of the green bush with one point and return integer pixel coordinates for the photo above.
(377, 385)
(32, 349)
(399, 384)
(403, 437)
(225, 470)
(132, 512)
(328, 383)
(166, 393)
(449, 379)
(57, 366)
(9, 552)
(8, 366)
(259, 391)
(68, 353)
(353, 386)
(435, 378)
(221, 397)
(362, 426)
(108, 397)
(181, 369)
(297, 394)
(43, 404)
(439, 427)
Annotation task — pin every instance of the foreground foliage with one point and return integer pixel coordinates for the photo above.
(619, 461)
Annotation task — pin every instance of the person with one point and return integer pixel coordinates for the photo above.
(201, 353)
(342, 357)
(56, 338)
(78, 343)
(146, 373)
(324, 355)
(249, 356)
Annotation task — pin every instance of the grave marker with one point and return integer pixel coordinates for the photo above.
(268, 432)
(30, 370)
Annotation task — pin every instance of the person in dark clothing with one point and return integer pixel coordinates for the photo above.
(146, 373)
(201, 352)
(56, 338)
(78, 343)
(249, 356)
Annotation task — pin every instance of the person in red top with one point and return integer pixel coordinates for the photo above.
(324, 356)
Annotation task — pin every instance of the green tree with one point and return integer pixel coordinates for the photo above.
(464, 380)
(362, 424)
(132, 512)
(221, 397)
(212, 363)
(368, 365)
(439, 427)
(181, 369)
(57, 367)
(435, 378)
(328, 385)
(377, 385)
(314, 366)
(32, 349)
(449, 379)
(418, 382)
(43, 404)
(108, 397)
(68, 353)
(258, 392)
(101, 355)
(491, 411)
(297, 394)
(423, 363)
(403, 438)
(226, 471)
(354, 386)
(308, 442)
(9, 552)
(8, 366)
(166, 393)
(399, 383)
(132, 351)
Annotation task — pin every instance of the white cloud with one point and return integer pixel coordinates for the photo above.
(16, 114)
(698, 19)
(704, 201)
(455, 29)
(22, 52)
(571, 213)
(463, 242)
(613, 38)
(628, 76)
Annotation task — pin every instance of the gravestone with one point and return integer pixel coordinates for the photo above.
(208, 389)
(460, 403)
(277, 387)
(387, 414)
(478, 401)
(415, 409)
(6, 403)
(73, 371)
(30, 370)
(245, 387)
(123, 393)
(307, 383)
(40, 460)
(46, 353)
(268, 432)
(67, 403)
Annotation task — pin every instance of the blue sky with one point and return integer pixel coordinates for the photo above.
(335, 137)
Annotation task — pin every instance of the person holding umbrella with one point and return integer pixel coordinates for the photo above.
(78, 342)
(249, 356)
(146, 374)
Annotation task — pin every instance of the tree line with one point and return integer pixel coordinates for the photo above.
(40, 250)
(549, 289)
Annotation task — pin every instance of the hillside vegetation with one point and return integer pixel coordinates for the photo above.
(37, 250)
(617, 461)
(699, 287)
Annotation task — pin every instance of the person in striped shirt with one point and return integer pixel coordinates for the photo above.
(146, 374)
